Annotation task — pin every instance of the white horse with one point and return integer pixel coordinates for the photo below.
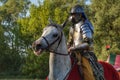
(53, 39)
(60, 67)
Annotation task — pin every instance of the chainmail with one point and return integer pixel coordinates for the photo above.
(96, 66)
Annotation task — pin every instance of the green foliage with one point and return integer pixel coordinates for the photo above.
(10, 49)
(106, 22)
(36, 67)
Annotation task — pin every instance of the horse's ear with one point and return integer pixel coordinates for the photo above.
(64, 23)
(50, 21)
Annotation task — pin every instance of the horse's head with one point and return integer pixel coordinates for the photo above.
(49, 39)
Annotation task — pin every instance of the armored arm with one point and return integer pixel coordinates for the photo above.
(87, 33)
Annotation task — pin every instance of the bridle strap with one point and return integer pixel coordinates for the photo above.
(46, 40)
(49, 45)
(60, 39)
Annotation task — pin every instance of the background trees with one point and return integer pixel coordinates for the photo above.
(22, 23)
(10, 44)
(106, 22)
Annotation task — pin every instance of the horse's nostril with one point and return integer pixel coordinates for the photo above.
(38, 46)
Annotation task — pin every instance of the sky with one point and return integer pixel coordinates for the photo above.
(36, 1)
(0, 4)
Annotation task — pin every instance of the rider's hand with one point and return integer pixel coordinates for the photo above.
(70, 49)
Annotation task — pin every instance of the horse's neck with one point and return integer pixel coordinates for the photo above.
(59, 65)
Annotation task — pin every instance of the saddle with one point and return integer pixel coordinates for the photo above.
(84, 67)
(88, 64)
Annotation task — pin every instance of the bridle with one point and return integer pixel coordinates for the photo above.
(50, 44)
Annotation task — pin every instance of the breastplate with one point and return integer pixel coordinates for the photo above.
(77, 36)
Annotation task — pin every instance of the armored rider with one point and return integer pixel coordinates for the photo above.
(81, 43)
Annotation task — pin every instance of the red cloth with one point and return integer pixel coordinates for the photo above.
(109, 72)
(74, 73)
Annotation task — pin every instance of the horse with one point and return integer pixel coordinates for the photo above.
(61, 67)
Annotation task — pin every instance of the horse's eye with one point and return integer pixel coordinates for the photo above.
(55, 35)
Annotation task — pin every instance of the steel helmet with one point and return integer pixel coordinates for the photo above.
(77, 9)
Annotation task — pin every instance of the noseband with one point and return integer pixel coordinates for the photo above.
(50, 44)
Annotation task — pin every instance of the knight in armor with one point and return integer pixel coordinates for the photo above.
(81, 44)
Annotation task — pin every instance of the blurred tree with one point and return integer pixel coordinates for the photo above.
(10, 11)
(106, 22)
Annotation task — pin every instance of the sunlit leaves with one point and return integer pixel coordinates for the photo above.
(106, 23)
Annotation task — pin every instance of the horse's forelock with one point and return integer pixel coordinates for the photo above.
(54, 25)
